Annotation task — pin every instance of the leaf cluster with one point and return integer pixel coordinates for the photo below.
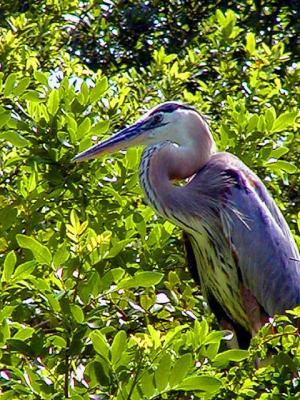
(95, 298)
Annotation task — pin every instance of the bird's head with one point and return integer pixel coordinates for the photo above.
(170, 121)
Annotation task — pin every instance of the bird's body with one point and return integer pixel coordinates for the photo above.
(239, 245)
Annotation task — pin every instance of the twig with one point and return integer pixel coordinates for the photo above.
(67, 362)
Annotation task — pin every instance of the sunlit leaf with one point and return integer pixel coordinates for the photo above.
(180, 369)
(223, 359)
(61, 256)
(9, 84)
(284, 121)
(14, 138)
(77, 313)
(9, 265)
(147, 384)
(21, 86)
(282, 165)
(84, 128)
(40, 252)
(200, 383)
(41, 77)
(99, 89)
(250, 43)
(100, 344)
(118, 346)
(142, 279)
(4, 118)
(162, 372)
(53, 102)
(278, 152)
(24, 270)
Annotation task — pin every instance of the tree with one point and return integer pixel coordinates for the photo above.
(95, 295)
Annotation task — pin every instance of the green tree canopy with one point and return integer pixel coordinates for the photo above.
(96, 298)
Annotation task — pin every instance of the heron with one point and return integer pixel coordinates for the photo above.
(239, 246)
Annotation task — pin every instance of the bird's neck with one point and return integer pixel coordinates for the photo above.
(163, 163)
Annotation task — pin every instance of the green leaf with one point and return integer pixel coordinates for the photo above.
(61, 255)
(223, 359)
(53, 302)
(265, 152)
(20, 347)
(118, 346)
(252, 123)
(212, 350)
(58, 341)
(99, 89)
(24, 333)
(161, 374)
(9, 265)
(214, 337)
(9, 84)
(250, 43)
(41, 77)
(77, 313)
(53, 102)
(117, 274)
(23, 271)
(142, 279)
(75, 222)
(8, 394)
(201, 330)
(282, 165)
(98, 373)
(4, 118)
(284, 121)
(200, 383)
(220, 17)
(21, 86)
(180, 369)
(72, 128)
(100, 344)
(279, 152)
(40, 252)
(84, 128)
(174, 332)
(32, 96)
(261, 123)
(155, 336)
(4, 332)
(99, 128)
(14, 138)
(6, 312)
(147, 385)
(270, 116)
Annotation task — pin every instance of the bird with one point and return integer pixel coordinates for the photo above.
(239, 247)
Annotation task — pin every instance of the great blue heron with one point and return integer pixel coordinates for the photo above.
(239, 245)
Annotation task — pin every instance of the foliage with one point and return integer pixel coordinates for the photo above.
(95, 296)
(114, 35)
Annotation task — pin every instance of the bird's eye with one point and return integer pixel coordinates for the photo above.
(157, 118)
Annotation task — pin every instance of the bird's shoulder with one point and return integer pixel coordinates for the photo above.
(224, 171)
(227, 181)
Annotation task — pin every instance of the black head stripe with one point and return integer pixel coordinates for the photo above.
(170, 107)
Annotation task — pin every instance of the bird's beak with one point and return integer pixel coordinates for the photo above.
(127, 137)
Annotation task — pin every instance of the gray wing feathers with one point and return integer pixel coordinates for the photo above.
(254, 228)
(266, 252)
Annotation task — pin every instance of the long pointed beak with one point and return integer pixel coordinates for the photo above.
(131, 136)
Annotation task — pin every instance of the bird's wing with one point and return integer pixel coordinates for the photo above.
(265, 250)
(235, 203)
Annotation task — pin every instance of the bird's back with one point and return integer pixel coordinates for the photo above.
(249, 231)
